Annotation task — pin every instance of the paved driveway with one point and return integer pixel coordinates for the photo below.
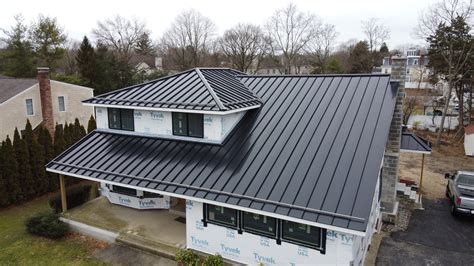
(433, 237)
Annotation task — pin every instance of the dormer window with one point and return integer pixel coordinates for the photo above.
(121, 119)
(189, 125)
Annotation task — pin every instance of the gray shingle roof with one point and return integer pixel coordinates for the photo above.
(10, 87)
(312, 151)
(196, 89)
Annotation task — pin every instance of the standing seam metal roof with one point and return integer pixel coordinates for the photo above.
(196, 89)
(313, 151)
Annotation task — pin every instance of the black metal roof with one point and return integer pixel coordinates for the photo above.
(312, 151)
(209, 89)
(410, 142)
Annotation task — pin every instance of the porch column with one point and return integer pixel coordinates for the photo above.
(62, 186)
(422, 168)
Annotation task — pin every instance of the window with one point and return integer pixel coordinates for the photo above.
(62, 107)
(190, 125)
(221, 215)
(259, 224)
(301, 234)
(29, 107)
(147, 194)
(124, 190)
(121, 119)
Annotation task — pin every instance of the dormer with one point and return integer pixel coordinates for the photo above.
(201, 104)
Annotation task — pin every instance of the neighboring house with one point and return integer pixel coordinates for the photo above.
(40, 100)
(271, 169)
(146, 64)
(417, 71)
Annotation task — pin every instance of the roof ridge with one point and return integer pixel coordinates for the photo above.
(211, 91)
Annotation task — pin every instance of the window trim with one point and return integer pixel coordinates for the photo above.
(64, 104)
(187, 125)
(32, 107)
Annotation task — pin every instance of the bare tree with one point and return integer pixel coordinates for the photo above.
(120, 34)
(451, 49)
(69, 62)
(290, 31)
(322, 46)
(409, 105)
(244, 45)
(442, 12)
(189, 39)
(376, 33)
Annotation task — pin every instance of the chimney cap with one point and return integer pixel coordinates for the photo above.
(42, 70)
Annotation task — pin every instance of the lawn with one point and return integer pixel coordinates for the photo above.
(17, 247)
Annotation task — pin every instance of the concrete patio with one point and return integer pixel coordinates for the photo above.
(156, 231)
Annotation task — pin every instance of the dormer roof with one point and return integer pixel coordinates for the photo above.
(206, 89)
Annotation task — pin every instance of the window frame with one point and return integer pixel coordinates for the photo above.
(59, 103)
(124, 193)
(322, 238)
(32, 107)
(187, 116)
(260, 233)
(120, 119)
(237, 217)
(321, 246)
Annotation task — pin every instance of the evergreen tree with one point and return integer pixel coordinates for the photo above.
(28, 136)
(360, 58)
(48, 41)
(67, 135)
(4, 193)
(334, 66)
(59, 141)
(91, 125)
(87, 63)
(24, 169)
(11, 172)
(46, 141)
(145, 45)
(17, 57)
(37, 167)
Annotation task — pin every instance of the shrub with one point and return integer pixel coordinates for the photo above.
(75, 196)
(46, 224)
(187, 257)
(214, 260)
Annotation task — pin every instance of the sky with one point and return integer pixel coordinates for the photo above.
(78, 18)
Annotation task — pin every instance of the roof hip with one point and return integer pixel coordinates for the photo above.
(211, 91)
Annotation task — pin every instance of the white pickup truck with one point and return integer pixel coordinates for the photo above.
(460, 190)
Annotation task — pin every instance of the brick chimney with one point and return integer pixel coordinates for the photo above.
(392, 148)
(46, 99)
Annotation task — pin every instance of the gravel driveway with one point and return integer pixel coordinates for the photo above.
(433, 237)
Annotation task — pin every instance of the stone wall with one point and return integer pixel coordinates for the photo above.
(392, 150)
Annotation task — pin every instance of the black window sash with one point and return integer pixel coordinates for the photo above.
(279, 231)
(246, 227)
(121, 119)
(188, 124)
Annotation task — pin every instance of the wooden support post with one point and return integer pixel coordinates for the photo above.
(422, 168)
(62, 185)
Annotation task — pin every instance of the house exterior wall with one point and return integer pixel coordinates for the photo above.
(73, 97)
(14, 109)
(13, 112)
(159, 123)
(254, 249)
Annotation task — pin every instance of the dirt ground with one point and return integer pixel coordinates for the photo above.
(446, 158)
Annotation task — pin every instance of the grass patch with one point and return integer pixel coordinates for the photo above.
(17, 247)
